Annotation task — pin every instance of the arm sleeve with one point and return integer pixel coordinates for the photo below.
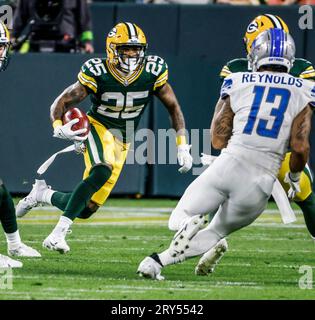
(312, 98)
(86, 77)
(226, 88)
(308, 73)
(225, 72)
(162, 77)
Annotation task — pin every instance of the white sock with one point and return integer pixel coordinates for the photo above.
(47, 195)
(62, 227)
(13, 240)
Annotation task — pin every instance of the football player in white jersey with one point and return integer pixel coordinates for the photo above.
(263, 113)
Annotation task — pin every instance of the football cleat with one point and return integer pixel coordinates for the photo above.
(149, 268)
(210, 259)
(24, 251)
(33, 199)
(56, 244)
(7, 262)
(181, 240)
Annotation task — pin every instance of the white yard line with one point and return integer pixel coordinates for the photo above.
(142, 209)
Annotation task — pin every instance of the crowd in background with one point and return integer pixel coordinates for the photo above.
(65, 25)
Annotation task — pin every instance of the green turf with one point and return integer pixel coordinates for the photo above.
(263, 260)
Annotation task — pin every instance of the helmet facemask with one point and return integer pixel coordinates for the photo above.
(130, 62)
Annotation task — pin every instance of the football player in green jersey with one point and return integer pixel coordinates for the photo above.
(120, 87)
(7, 212)
(302, 68)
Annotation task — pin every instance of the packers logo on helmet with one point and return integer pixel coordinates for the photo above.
(4, 46)
(124, 36)
(262, 23)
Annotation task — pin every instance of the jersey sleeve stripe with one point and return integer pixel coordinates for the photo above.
(225, 72)
(308, 75)
(310, 68)
(160, 83)
(164, 74)
(86, 83)
(88, 78)
(308, 72)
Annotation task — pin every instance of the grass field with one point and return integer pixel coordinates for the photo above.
(263, 260)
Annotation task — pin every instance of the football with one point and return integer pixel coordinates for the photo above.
(84, 122)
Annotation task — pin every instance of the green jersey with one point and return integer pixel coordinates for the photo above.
(301, 68)
(116, 98)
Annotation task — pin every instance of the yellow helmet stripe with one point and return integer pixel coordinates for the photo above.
(275, 21)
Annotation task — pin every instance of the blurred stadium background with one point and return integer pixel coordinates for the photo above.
(195, 40)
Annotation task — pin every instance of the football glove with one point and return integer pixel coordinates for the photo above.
(293, 179)
(184, 158)
(207, 159)
(65, 132)
(79, 147)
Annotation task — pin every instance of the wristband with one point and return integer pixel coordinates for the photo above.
(180, 140)
(57, 123)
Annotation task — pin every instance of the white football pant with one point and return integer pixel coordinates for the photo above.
(237, 191)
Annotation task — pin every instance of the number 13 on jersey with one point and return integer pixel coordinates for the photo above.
(277, 112)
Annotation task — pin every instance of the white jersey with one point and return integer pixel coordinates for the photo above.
(265, 105)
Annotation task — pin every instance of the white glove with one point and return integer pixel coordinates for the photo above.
(79, 147)
(65, 132)
(207, 159)
(293, 179)
(184, 158)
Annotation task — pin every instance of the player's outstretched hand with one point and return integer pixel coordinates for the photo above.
(184, 158)
(207, 159)
(294, 181)
(65, 132)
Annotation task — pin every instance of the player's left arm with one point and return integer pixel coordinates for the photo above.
(300, 146)
(169, 100)
(222, 124)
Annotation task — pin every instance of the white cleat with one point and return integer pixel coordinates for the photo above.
(56, 244)
(181, 240)
(33, 199)
(24, 251)
(149, 268)
(210, 259)
(7, 262)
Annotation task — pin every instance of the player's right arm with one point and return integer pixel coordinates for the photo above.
(69, 97)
